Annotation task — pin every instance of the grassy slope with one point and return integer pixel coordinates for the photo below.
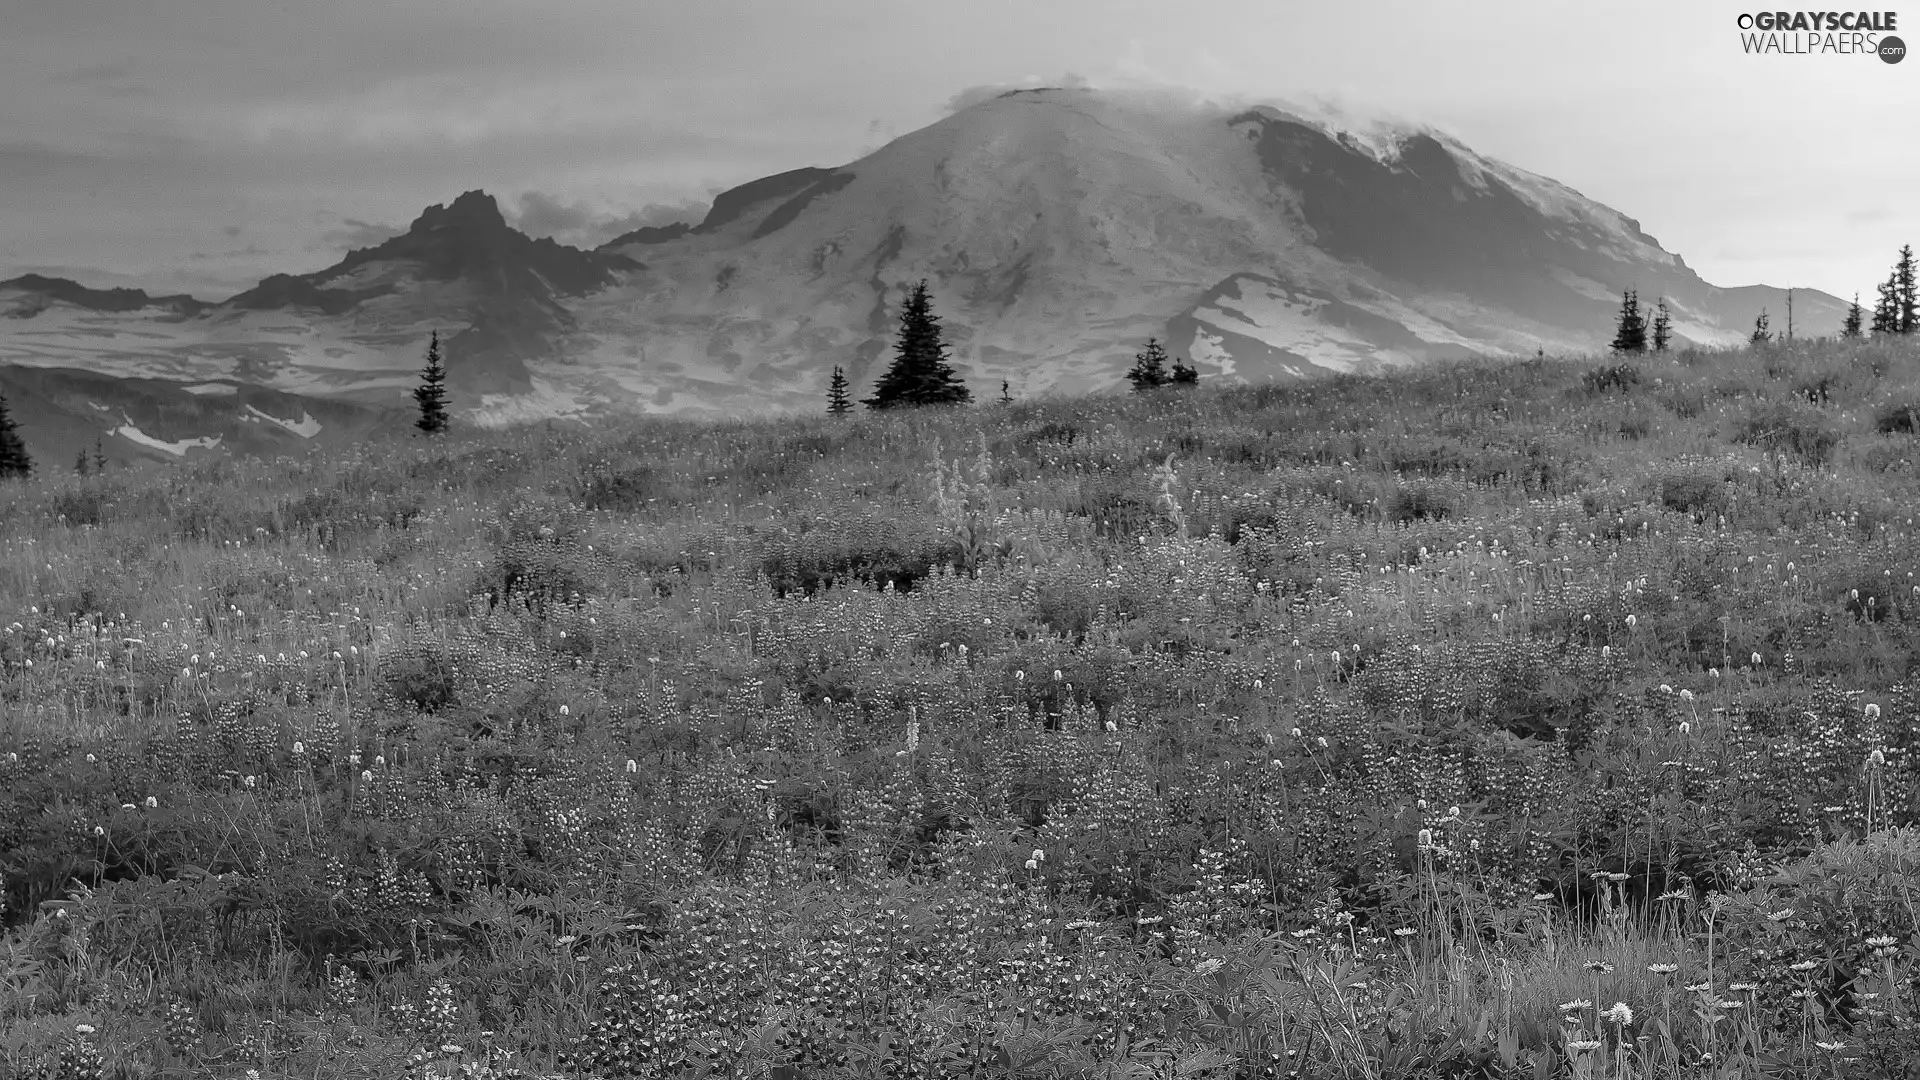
(1294, 690)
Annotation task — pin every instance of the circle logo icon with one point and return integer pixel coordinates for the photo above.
(1892, 49)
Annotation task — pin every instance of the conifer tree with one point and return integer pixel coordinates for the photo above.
(1149, 368)
(838, 403)
(1906, 302)
(1760, 335)
(431, 394)
(1851, 327)
(1886, 313)
(80, 464)
(1662, 327)
(1183, 375)
(1630, 332)
(14, 459)
(99, 456)
(920, 374)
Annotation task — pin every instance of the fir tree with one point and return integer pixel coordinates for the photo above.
(1184, 375)
(1662, 327)
(14, 459)
(838, 403)
(431, 394)
(920, 374)
(80, 464)
(1851, 327)
(1906, 302)
(99, 456)
(1760, 335)
(1630, 332)
(1149, 368)
(1886, 313)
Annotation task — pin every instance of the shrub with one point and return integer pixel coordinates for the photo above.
(1851, 906)
(1819, 388)
(420, 675)
(602, 485)
(1119, 505)
(1887, 458)
(1421, 501)
(1897, 417)
(1059, 432)
(1622, 376)
(879, 551)
(1692, 490)
(1686, 401)
(1797, 429)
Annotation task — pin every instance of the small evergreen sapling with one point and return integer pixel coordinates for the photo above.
(838, 403)
(1760, 335)
(1906, 295)
(14, 459)
(1662, 328)
(1149, 367)
(1850, 328)
(431, 394)
(1630, 330)
(1886, 310)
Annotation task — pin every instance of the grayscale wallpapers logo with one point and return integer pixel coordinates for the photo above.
(1822, 33)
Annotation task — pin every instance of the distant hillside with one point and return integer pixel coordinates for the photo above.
(62, 411)
(47, 289)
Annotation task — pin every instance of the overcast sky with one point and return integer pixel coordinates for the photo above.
(201, 144)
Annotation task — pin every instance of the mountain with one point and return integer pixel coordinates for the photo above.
(458, 264)
(61, 412)
(354, 330)
(1059, 228)
(34, 293)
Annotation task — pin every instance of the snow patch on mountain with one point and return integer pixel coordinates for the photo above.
(177, 448)
(213, 389)
(546, 401)
(1209, 348)
(306, 427)
(1378, 135)
(1267, 312)
(1585, 286)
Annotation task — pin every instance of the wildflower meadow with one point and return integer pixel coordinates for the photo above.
(1496, 720)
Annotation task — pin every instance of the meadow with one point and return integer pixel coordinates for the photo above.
(1503, 720)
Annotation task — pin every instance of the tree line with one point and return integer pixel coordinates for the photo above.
(921, 374)
(1897, 311)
